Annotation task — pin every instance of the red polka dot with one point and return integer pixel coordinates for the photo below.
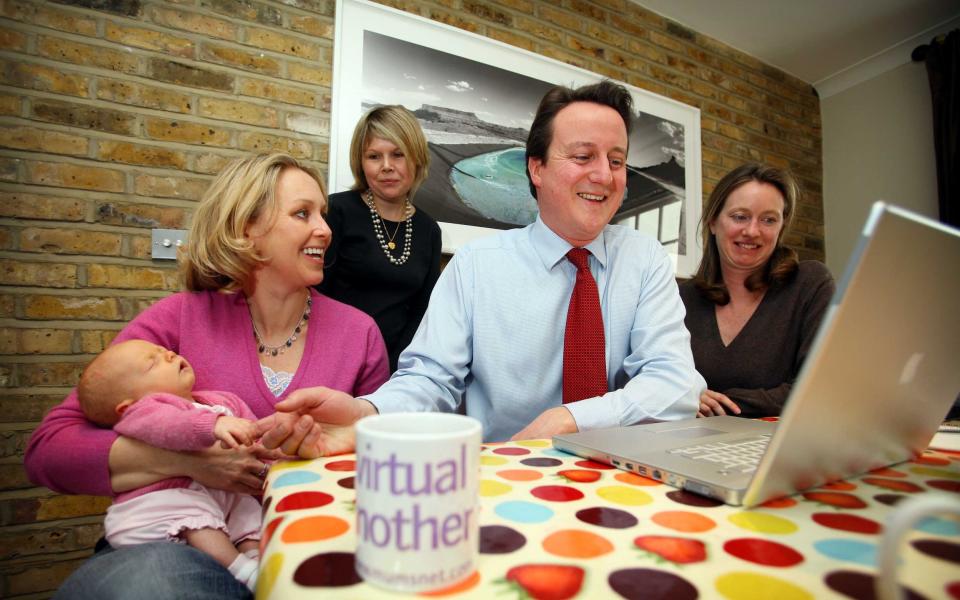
(302, 500)
(589, 464)
(945, 485)
(893, 484)
(268, 533)
(847, 522)
(937, 461)
(763, 552)
(511, 451)
(342, 465)
(557, 493)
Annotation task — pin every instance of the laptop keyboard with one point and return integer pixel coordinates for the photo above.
(741, 456)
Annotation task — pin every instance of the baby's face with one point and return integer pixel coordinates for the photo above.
(152, 368)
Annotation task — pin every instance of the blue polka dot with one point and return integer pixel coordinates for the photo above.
(555, 452)
(295, 478)
(849, 550)
(939, 526)
(520, 511)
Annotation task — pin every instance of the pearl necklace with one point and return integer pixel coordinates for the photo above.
(264, 348)
(384, 237)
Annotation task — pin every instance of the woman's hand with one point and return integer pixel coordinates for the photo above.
(241, 470)
(314, 422)
(714, 403)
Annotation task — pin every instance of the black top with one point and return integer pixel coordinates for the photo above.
(758, 368)
(358, 273)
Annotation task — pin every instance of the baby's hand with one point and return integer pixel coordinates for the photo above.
(234, 431)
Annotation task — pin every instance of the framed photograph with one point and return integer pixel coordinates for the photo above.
(475, 99)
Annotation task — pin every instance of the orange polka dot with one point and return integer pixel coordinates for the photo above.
(779, 503)
(520, 474)
(311, 529)
(634, 479)
(838, 486)
(931, 459)
(887, 472)
(681, 520)
(574, 543)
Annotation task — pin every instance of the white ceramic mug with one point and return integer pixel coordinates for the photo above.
(904, 518)
(417, 488)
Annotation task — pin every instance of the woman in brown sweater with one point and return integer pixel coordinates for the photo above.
(752, 308)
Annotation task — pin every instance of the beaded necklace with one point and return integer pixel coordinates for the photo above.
(264, 348)
(383, 235)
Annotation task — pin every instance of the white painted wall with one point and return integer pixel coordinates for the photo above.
(877, 145)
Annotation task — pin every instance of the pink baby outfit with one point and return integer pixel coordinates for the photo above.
(212, 330)
(161, 511)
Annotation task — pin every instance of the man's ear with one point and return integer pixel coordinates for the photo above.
(534, 165)
(123, 406)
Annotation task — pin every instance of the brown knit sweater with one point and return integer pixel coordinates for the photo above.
(760, 365)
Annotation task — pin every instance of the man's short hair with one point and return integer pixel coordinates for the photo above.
(605, 93)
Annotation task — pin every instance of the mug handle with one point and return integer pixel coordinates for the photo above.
(904, 518)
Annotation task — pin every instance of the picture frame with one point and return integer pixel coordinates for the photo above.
(475, 98)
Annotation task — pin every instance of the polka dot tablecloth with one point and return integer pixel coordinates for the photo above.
(554, 526)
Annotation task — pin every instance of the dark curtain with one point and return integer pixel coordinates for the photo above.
(943, 69)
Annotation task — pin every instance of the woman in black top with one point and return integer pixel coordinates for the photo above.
(385, 254)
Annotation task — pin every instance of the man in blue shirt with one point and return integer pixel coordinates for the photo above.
(492, 340)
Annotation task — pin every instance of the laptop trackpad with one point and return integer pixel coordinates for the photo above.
(691, 433)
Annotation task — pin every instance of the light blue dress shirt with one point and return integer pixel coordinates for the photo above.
(492, 336)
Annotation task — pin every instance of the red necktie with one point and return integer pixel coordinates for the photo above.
(584, 350)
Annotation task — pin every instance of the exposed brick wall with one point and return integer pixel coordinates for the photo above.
(115, 114)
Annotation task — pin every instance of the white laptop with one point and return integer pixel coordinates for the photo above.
(881, 375)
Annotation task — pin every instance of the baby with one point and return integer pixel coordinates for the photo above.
(145, 391)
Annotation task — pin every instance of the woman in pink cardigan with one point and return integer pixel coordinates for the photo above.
(249, 323)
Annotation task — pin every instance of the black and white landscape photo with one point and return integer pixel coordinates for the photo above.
(476, 118)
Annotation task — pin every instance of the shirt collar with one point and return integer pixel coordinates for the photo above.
(551, 248)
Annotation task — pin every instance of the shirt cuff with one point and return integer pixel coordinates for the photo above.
(593, 413)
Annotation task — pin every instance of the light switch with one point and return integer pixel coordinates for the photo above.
(166, 242)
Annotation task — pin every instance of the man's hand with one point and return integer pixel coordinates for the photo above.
(314, 422)
(234, 431)
(549, 423)
(714, 404)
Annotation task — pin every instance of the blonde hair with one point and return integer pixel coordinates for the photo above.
(218, 255)
(398, 126)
